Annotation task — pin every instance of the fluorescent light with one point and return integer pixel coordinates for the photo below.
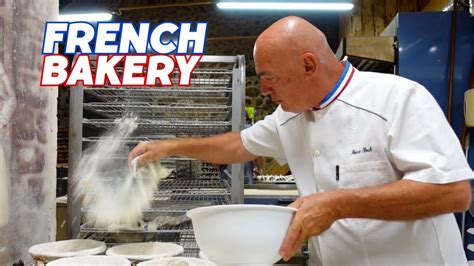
(285, 6)
(85, 17)
(448, 7)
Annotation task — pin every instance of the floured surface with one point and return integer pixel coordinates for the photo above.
(178, 261)
(146, 251)
(112, 193)
(67, 248)
(91, 260)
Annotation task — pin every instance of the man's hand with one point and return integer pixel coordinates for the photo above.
(315, 214)
(150, 151)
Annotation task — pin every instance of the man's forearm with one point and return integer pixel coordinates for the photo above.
(403, 200)
(219, 149)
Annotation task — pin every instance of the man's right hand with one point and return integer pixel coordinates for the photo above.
(150, 151)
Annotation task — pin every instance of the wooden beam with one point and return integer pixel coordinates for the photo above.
(436, 5)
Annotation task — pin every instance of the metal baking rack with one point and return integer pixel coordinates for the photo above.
(178, 128)
(171, 201)
(212, 104)
(188, 95)
(166, 112)
(206, 170)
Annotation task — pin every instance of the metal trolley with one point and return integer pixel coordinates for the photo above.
(213, 104)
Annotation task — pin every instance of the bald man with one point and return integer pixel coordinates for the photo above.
(377, 166)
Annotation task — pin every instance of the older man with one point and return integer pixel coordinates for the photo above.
(378, 167)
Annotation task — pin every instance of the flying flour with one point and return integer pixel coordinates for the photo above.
(113, 194)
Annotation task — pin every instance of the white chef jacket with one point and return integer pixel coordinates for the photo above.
(374, 129)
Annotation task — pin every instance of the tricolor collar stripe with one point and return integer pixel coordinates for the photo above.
(340, 86)
(337, 86)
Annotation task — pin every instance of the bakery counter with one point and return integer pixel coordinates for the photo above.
(272, 194)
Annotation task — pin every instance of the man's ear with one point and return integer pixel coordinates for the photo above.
(310, 65)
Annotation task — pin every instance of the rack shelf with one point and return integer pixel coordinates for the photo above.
(189, 95)
(162, 127)
(146, 110)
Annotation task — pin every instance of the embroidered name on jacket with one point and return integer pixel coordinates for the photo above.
(363, 150)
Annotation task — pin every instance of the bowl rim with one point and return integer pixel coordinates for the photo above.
(238, 207)
(178, 249)
(45, 250)
(111, 259)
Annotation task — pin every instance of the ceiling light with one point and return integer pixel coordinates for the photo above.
(85, 17)
(448, 7)
(285, 5)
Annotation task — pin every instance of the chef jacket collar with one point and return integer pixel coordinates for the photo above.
(341, 84)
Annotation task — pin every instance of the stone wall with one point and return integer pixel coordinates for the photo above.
(28, 131)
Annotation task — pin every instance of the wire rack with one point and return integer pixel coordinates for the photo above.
(130, 140)
(188, 95)
(194, 168)
(194, 186)
(204, 108)
(183, 203)
(204, 69)
(167, 225)
(150, 127)
(164, 112)
(174, 197)
(201, 75)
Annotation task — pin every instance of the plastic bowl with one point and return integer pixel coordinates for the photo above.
(91, 260)
(241, 234)
(67, 248)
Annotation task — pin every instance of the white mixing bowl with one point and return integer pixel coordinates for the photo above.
(67, 248)
(241, 234)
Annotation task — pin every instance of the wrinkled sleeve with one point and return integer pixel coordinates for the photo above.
(421, 143)
(262, 139)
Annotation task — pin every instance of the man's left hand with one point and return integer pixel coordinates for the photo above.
(315, 214)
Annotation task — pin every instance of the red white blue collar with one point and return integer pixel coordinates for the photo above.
(339, 87)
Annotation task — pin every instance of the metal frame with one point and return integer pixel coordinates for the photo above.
(75, 153)
(215, 107)
(238, 101)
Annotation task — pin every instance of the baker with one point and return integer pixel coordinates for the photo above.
(377, 166)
